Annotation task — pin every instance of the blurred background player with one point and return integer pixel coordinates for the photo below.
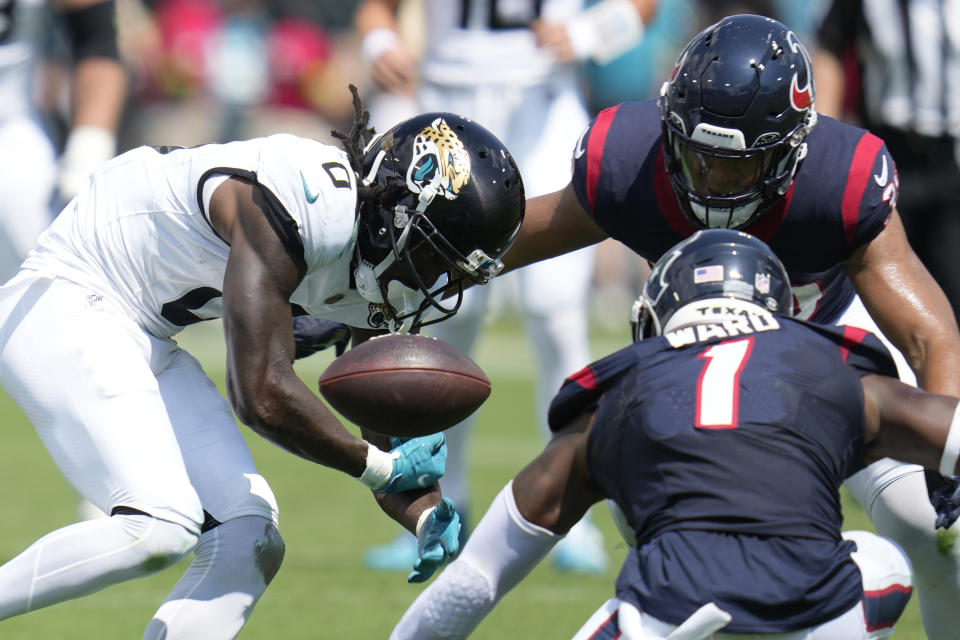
(723, 454)
(31, 182)
(511, 67)
(894, 68)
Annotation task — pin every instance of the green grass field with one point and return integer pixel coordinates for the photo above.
(328, 520)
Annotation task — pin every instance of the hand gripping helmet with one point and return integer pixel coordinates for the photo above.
(712, 264)
(735, 113)
(441, 202)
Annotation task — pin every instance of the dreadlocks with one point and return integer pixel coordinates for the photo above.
(354, 143)
(360, 134)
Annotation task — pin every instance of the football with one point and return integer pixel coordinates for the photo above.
(404, 385)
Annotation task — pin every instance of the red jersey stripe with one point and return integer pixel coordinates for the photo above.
(851, 336)
(860, 169)
(585, 378)
(894, 588)
(598, 138)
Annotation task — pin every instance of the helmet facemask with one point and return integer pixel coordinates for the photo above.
(729, 186)
(415, 248)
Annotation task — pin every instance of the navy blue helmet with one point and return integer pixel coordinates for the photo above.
(711, 264)
(735, 112)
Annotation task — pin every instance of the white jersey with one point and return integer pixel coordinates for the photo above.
(21, 25)
(478, 41)
(139, 234)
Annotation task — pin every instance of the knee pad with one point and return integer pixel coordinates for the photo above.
(883, 563)
(232, 565)
(160, 543)
(268, 550)
(244, 541)
(887, 579)
(464, 587)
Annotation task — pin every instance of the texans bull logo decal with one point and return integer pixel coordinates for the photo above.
(801, 99)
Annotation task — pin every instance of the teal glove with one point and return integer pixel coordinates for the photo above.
(415, 463)
(438, 540)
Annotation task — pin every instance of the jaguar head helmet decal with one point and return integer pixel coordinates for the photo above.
(439, 159)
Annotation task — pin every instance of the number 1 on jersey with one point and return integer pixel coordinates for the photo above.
(718, 389)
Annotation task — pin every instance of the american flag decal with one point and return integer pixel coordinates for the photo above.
(713, 273)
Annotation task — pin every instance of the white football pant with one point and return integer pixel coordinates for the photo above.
(134, 424)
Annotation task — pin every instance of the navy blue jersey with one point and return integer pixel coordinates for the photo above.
(841, 199)
(725, 446)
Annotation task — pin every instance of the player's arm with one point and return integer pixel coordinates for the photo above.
(98, 90)
(555, 490)
(909, 307)
(262, 385)
(392, 64)
(910, 424)
(553, 224)
(518, 530)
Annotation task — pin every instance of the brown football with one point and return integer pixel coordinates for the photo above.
(404, 385)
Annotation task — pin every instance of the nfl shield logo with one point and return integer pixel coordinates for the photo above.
(762, 283)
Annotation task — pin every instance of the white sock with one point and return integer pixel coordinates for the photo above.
(87, 556)
(232, 566)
